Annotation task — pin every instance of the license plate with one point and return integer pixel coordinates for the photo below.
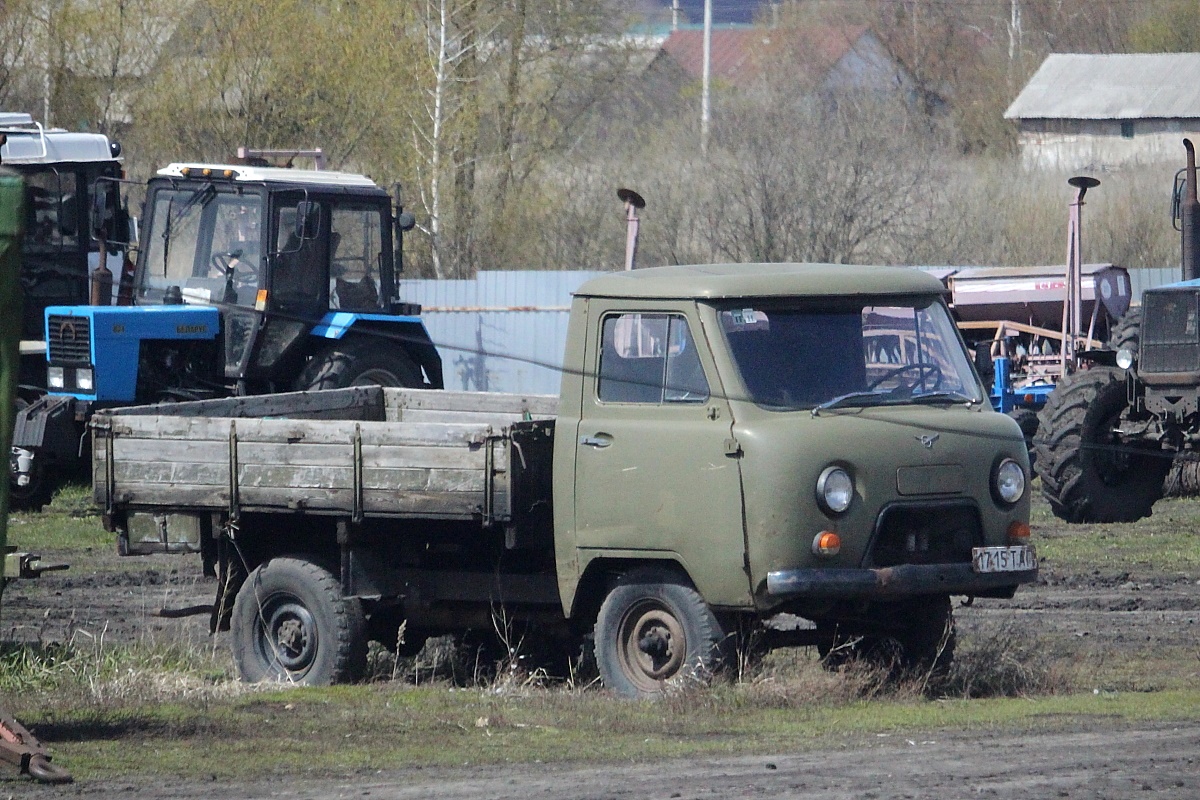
(1003, 559)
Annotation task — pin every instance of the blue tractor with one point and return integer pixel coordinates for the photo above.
(249, 280)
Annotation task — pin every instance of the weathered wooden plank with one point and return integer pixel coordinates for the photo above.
(362, 402)
(411, 504)
(164, 429)
(399, 402)
(300, 454)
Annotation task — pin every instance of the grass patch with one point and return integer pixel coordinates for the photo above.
(223, 733)
(68, 525)
(1165, 542)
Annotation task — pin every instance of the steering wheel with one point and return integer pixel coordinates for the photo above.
(921, 368)
(233, 267)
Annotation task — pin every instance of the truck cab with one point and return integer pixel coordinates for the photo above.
(782, 438)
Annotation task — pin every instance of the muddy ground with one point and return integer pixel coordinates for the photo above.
(1093, 618)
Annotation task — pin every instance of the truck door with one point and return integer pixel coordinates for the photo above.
(654, 475)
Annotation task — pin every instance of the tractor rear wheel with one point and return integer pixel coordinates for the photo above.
(1089, 474)
(360, 363)
(1126, 334)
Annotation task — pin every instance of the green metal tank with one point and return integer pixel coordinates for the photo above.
(12, 218)
(18, 746)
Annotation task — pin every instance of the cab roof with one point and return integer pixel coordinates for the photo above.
(240, 173)
(717, 281)
(30, 143)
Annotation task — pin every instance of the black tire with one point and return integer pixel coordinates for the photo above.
(291, 623)
(1126, 333)
(911, 637)
(360, 363)
(1027, 420)
(1088, 474)
(655, 631)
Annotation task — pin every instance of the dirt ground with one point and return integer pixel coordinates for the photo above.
(1085, 615)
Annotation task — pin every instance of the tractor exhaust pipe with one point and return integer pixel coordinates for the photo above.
(633, 203)
(1189, 218)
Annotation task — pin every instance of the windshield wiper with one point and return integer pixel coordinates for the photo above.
(943, 397)
(842, 399)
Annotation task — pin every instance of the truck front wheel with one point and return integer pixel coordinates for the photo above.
(291, 623)
(1089, 474)
(653, 632)
(360, 363)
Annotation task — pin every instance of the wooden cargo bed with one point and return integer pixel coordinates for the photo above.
(356, 452)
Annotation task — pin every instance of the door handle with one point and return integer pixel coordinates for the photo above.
(599, 440)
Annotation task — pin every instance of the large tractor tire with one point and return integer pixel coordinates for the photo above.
(360, 363)
(1126, 334)
(292, 624)
(654, 632)
(1087, 473)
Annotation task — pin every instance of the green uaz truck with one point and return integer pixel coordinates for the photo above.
(733, 446)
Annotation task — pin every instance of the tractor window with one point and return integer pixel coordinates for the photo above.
(356, 253)
(205, 242)
(51, 208)
(300, 271)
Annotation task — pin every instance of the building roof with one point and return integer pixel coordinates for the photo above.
(1129, 86)
(716, 281)
(739, 55)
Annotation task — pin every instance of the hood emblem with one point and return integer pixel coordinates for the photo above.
(927, 440)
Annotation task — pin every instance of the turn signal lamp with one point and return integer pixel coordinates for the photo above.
(826, 543)
(260, 300)
(1018, 532)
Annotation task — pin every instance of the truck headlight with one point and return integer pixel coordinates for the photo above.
(1124, 358)
(54, 378)
(1008, 481)
(835, 490)
(83, 380)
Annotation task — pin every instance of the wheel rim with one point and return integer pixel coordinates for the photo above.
(287, 635)
(376, 377)
(1113, 461)
(652, 645)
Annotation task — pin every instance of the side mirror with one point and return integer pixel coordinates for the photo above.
(405, 221)
(109, 223)
(308, 219)
(983, 362)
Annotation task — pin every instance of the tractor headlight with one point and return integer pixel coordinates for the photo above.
(1124, 358)
(54, 378)
(835, 490)
(83, 380)
(1008, 482)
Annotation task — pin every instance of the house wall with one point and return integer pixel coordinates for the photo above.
(1102, 145)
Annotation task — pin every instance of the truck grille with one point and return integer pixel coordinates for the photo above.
(1170, 341)
(925, 534)
(70, 339)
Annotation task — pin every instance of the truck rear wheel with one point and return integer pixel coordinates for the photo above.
(654, 631)
(291, 623)
(1088, 474)
(360, 363)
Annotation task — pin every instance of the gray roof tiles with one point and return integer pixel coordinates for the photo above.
(1126, 86)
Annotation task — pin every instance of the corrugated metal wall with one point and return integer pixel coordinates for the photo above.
(504, 331)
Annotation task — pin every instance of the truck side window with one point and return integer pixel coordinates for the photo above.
(649, 358)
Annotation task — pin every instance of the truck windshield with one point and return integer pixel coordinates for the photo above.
(840, 354)
(204, 243)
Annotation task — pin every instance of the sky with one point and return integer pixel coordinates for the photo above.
(723, 10)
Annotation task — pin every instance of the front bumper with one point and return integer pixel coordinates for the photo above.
(899, 581)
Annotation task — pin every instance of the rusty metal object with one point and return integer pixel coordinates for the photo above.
(633, 203)
(22, 749)
(1189, 210)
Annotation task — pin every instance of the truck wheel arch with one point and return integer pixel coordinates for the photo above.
(602, 574)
